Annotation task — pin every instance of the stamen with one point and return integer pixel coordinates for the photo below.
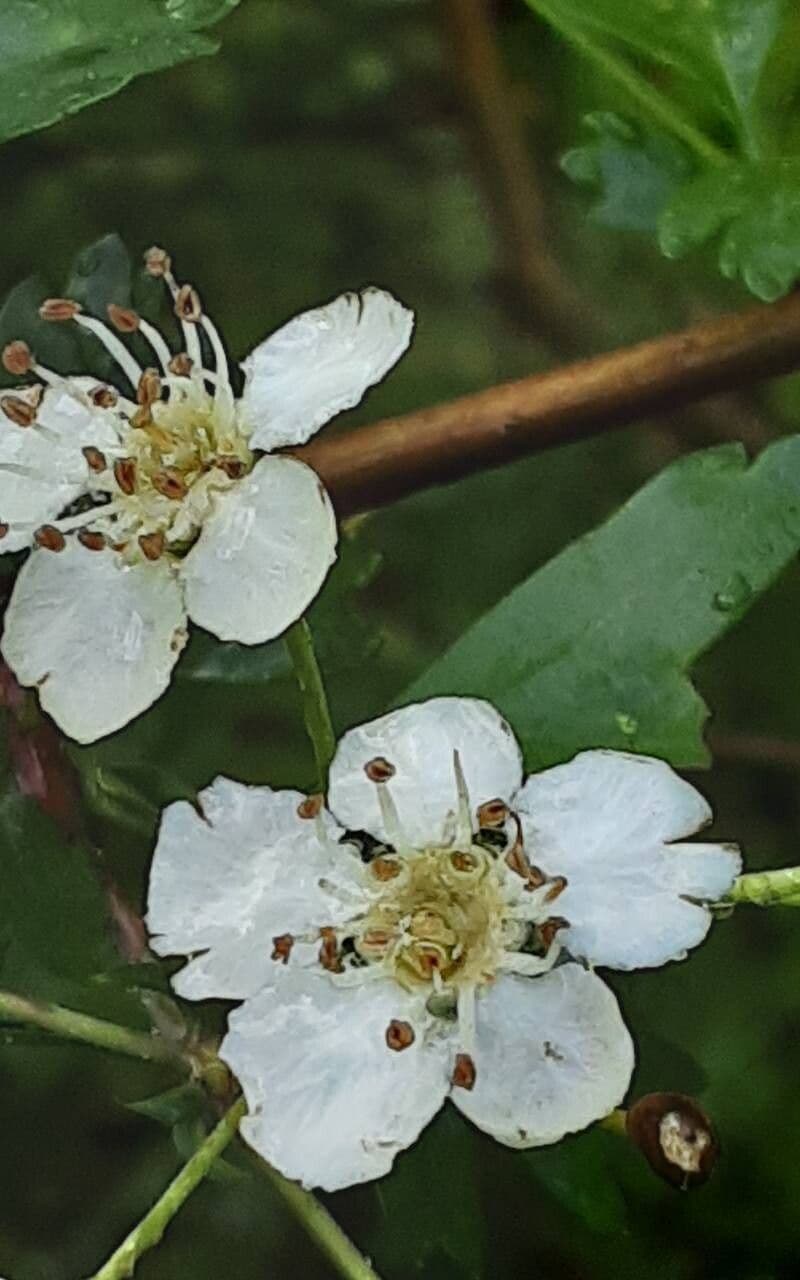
(95, 459)
(127, 321)
(391, 820)
(49, 538)
(58, 310)
(4, 528)
(191, 338)
(17, 358)
(104, 397)
(379, 769)
(148, 388)
(282, 947)
(187, 304)
(157, 262)
(116, 349)
(463, 832)
(399, 1035)
(222, 393)
(19, 411)
(169, 482)
(125, 475)
(152, 544)
(329, 956)
(181, 365)
(464, 1073)
(310, 807)
(233, 467)
(91, 541)
(492, 814)
(123, 319)
(557, 886)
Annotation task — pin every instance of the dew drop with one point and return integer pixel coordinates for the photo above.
(626, 723)
(734, 594)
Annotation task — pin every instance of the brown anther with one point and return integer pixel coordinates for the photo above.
(310, 807)
(379, 770)
(152, 544)
(329, 956)
(536, 878)
(463, 1076)
(181, 365)
(384, 868)
(103, 397)
(557, 886)
(91, 540)
(125, 475)
(463, 861)
(493, 814)
(4, 528)
(58, 309)
(548, 929)
(149, 389)
(375, 940)
(95, 458)
(122, 318)
(170, 483)
(20, 411)
(399, 1035)
(233, 467)
(675, 1136)
(17, 358)
(187, 304)
(282, 947)
(157, 262)
(49, 537)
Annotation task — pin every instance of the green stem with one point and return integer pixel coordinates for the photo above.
(658, 107)
(80, 1026)
(615, 1122)
(767, 888)
(321, 1227)
(152, 1227)
(316, 714)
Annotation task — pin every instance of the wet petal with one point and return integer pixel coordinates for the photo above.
(99, 637)
(607, 821)
(263, 554)
(551, 1055)
(330, 1103)
(419, 741)
(41, 472)
(320, 363)
(229, 879)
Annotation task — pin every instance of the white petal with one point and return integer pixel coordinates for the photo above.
(320, 363)
(606, 821)
(98, 637)
(551, 1055)
(229, 882)
(55, 470)
(330, 1104)
(419, 742)
(263, 554)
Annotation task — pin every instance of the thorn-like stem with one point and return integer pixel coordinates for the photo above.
(152, 1227)
(316, 713)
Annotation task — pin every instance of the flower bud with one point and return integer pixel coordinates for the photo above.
(675, 1137)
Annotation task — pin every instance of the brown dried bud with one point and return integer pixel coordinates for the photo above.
(187, 304)
(58, 309)
(492, 814)
(95, 458)
(379, 770)
(125, 475)
(149, 388)
(282, 947)
(463, 1076)
(329, 956)
(17, 358)
(104, 397)
(233, 467)
(157, 262)
(399, 1035)
(310, 807)
(181, 365)
(675, 1136)
(49, 537)
(91, 540)
(20, 411)
(152, 544)
(170, 483)
(122, 318)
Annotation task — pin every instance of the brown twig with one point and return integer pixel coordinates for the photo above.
(398, 456)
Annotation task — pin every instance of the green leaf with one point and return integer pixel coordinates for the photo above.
(579, 1174)
(755, 209)
(182, 1104)
(58, 56)
(53, 908)
(635, 173)
(594, 649)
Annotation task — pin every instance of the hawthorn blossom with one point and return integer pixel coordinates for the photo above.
(153, 503)
(432, 933)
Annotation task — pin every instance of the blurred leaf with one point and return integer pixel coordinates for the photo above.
(635, 173)
(430, 1219)
(54, 345)
(593, 650)
(756, 208)
(53, 906)
(100, 274)
(57, 56)
(580, 1175)
(186, 1102)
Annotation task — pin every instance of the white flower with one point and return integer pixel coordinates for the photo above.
(145, 511)
(404, 946)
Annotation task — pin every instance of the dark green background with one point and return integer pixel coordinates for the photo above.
(327, 146)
